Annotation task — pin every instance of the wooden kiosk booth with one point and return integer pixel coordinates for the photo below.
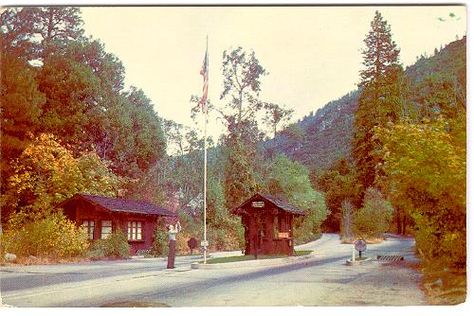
(268, 223)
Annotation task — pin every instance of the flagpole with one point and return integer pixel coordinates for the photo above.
(205, 188)
(205, 167)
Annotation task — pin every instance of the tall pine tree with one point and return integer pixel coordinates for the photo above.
(380, 98)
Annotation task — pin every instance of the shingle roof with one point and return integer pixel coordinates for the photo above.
(125, 205)
(279, 203)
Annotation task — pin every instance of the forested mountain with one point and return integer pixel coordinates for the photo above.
(322, 138)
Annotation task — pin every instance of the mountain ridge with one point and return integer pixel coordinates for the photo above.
(325, 136)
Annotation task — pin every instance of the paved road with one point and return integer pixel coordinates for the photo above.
(321, 280)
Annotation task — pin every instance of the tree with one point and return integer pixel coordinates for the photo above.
(37, 32)
(381, 52)
(242, 73)
(106, 66)
(72, 92)
(240, 181)
(130, 134)
(290, 181)
(21, 103)
(374, 218)
(175, 136)
(276, 114)
(57, 26)
(425, 173)
(17, 32)
(149, 140)
(380, 99)
(47, 173)
(348, 212)
(225, 230)
(339, 184)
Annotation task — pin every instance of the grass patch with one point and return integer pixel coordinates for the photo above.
(302, 252)
(360, 258)
(252, 257)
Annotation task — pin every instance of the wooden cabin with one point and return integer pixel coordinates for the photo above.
(99, 216)
(268, 223)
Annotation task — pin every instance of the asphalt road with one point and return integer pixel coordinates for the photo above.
(321, 280)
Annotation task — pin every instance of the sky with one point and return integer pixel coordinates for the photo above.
(312, 54)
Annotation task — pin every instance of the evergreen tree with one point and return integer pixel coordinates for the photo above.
(20, 110)
(57, 26)
(380, 99)
(380, 54)
(17, 32)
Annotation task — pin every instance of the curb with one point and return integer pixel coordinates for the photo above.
(349, 262)
(251, 263)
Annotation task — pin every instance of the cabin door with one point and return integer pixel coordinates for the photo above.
(259, 223)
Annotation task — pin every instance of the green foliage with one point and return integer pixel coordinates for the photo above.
(17, 32)
(21, 103)
(380, 99)
(242, 71)
(160, 242)
(276, 114)
(225, 230)
(319, 139)
(114, 246)
(339, 184)
(53, 236)
(374, 218)
(131, 136)
(380, 53)
(240, 182)
(75, 92)
(425, 169)
(290, 180)
(71, 90)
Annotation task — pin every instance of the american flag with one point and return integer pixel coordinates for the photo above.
(205, 76)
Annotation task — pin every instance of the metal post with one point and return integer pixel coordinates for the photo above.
(205, 188)
(205, 160)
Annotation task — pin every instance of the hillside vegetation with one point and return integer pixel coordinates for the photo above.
(321, 138)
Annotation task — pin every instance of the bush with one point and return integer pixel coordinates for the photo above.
(160, 244)
(222, 239)
(53, 236)
(115, 246)
(374, 218)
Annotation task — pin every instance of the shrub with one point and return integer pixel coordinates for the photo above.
(374, 218)
(53, 236)
(115, 246)
(225, 239)
(160, 244)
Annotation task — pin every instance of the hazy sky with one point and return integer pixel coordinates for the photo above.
(312, 54)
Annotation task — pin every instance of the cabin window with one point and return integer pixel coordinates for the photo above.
(134, 230)
(88, 227)
(106, 229)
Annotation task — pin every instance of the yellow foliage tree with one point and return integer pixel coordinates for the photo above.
(46, 173)
(425, 173)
